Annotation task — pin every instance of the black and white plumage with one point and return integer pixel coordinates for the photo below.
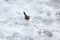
(26, 16)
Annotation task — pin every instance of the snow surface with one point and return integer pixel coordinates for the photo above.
(44, 23)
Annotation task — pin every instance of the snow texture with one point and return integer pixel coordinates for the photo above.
(44, 22)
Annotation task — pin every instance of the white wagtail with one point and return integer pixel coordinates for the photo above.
(26, 16)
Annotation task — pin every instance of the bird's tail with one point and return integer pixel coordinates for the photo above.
(24, 13)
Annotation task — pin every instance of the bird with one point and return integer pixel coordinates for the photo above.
(26, 16)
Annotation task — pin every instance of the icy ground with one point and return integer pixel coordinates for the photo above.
(44, 23)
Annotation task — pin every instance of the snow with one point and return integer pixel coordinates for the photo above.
(44, 23)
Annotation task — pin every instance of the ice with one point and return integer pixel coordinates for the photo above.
(44, 22)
